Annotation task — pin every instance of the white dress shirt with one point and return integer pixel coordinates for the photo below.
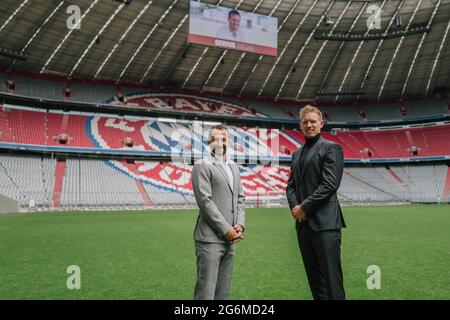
(225, 33)
(227, 169)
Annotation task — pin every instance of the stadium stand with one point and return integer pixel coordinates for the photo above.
(84, 183)
(99, 184)
(425, 184)
(53, 128)
(27, 180)
(96, 92)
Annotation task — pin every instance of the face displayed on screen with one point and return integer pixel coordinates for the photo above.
(234, 22)
(229, 28)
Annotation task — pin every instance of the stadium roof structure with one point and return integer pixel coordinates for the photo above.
(145, 41)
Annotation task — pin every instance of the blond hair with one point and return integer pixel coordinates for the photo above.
(309, 108)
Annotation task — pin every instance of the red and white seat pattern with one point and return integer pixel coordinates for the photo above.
(37, 127)
(176, 177)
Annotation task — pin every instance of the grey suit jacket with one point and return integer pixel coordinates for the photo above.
(220, 207)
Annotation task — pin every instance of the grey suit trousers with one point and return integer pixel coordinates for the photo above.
(214, 270)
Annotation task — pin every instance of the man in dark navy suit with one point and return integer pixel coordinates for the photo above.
(316, 173)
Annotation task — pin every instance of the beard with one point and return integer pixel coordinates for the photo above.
(221, 154)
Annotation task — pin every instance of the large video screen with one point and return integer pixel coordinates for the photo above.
(222, 27)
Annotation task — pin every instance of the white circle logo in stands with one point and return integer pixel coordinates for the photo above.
(170, 181)
(187, 104)
(180, 139)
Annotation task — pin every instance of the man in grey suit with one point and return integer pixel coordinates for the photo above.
(316, 173)
(220, 224)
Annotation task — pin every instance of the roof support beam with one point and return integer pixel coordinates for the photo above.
(226, 51)
(437, 57)
(67, 36)
(174, 2)
(289, 42)
(164, 47)
(282, 51)
(162, 50)
(236, 65)
(375, 54)
(130, 26)
(361, 43)
(13, 15)
(38, 30)
(418, 48)
(203, 53)
(305, 78)
(337, 54)
(111, 18)
(388, 71)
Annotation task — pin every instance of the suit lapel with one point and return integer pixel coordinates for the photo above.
(222, 171)
(308, 158)
(236, 174)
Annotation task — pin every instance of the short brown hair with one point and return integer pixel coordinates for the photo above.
(219, 127)
(309, 108)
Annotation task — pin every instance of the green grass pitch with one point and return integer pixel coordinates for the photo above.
(150, 254)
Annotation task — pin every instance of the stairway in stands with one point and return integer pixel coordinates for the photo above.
(370, 185)
(60, 173)
(145, 198)
(395, 176)
(6, 131)
(64, 123)
(446, 193)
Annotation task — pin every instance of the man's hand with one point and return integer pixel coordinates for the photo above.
(238, 228)
(295, 211)
(239, 238)
(233, 236)
(298, 213)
